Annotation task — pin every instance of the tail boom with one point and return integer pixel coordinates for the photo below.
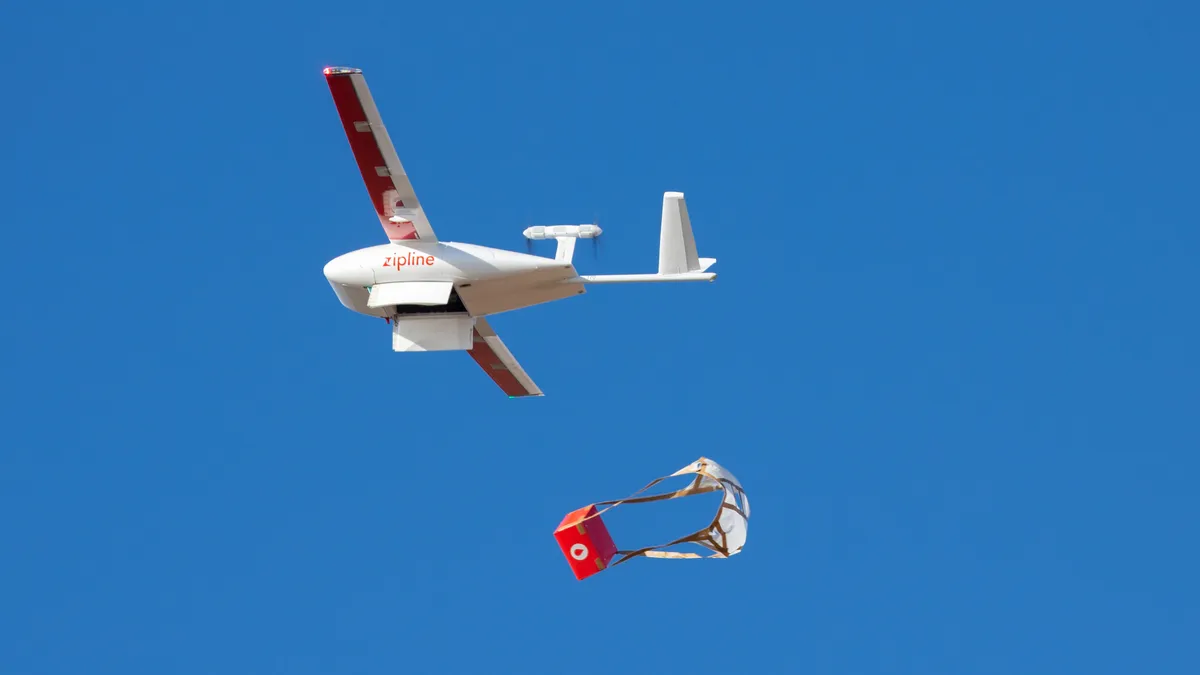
(640, 278)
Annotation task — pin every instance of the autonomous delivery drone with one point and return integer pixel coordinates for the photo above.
(436, 294)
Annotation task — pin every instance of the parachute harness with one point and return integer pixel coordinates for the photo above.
(725, 535)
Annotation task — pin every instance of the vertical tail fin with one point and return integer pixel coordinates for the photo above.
(677, 259)
(676, 245)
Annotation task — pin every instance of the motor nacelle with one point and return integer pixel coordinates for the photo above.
(556, 231)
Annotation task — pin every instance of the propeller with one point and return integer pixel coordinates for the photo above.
(596, 240)
(548, 234)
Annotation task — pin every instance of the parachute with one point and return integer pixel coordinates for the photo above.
(589, 548)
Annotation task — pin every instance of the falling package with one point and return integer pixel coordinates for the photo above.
(589, 548)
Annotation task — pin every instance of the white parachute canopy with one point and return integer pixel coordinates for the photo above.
(725, 535)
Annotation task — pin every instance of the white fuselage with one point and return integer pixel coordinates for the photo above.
(353, 274)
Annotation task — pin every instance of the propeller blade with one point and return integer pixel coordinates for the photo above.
(596, 240)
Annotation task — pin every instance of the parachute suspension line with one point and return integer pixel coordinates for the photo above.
(703, 537)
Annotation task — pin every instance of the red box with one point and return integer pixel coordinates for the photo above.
(587, 545)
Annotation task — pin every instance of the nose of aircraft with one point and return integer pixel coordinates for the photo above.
(344, 270)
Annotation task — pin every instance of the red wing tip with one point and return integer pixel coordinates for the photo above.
(338, 70)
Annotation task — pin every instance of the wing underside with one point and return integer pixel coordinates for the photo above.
(499, 364)
(391, 192)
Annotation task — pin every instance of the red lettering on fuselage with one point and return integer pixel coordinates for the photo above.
(409, 259)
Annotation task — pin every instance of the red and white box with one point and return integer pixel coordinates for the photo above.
(586, 544)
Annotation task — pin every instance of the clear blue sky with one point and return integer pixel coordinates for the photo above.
(951, 353)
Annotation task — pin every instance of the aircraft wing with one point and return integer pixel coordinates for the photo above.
(495, 359)
(391, 193)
